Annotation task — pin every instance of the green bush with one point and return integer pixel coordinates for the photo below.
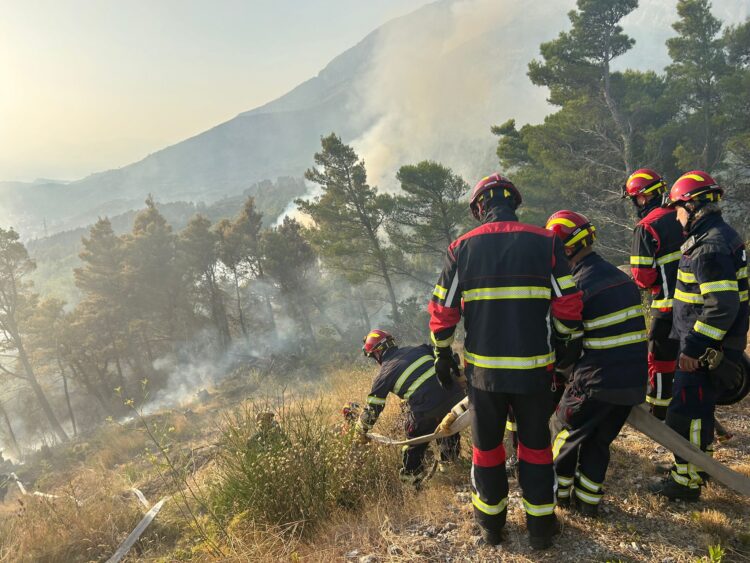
(297, 471)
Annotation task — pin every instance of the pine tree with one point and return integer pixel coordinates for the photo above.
(349, 217)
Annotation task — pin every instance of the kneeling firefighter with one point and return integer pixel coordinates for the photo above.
(610, 376)
(408, 372)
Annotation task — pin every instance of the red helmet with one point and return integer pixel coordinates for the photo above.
(574, 229)
(493, 182)
(695, 185)
(643, 181)
(376, 342)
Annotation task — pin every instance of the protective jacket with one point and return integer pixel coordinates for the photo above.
(711, 299)
(613, 366)
(409, 373)
(512, 283)
(654, 256)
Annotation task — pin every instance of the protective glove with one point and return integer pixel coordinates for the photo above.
(360, 433)
(445, 424)
(445, 365)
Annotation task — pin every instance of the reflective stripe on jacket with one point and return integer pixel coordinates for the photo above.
(711, 299)
(409, 373)
(512, 284)
(654, 256)
(613, 367)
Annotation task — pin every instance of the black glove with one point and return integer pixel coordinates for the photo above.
(567, 352)
(445, 366)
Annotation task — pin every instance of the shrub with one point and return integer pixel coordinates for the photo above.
(295, 472)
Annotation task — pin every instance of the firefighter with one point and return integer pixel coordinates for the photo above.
(710, 321)
(653, 262)
(512, 283)
(408, 373)
(609, 377)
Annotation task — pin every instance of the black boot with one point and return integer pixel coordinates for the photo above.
(545, 542)
(492, 537)
(587, 509)
(669, 488)
(563, 502)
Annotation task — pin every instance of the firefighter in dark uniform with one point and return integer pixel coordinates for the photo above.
(409, 373)
(710, 321)
(610, 376)
(512, 283)
(653, 262)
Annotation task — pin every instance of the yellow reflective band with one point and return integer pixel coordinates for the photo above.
(566, 282)
(583, 234)
(587, 497)
(662, 304)
(687, 297)
(563, 493)
(694, 177)
(684, 481)
(743, 296)
(656, 186)
(564, 481)
(441, 343)
(408, 371)
(642, 261)
(658, 402)
(720, 285)
(538, 509)
(509, 362)
(589, 484)
(614, 318)
(559, 443)
(686, 277)
(682, 468)
(521, 292)
(562, 328)
(710, 331)
(491, 509)
(615, 341)
(440, 292)
(695, 432)
(373, 400)
(742, 273)
(511, 426)
(641, 175)
(668, 258)
(421, 379)
(373, 335)
(561, 221)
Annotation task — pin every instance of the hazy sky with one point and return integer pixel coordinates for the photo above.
(87, 85)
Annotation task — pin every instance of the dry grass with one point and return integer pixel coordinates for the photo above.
(395, 524)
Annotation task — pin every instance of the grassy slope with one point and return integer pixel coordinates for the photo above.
(432, 525)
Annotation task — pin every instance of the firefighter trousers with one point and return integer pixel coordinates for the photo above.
(535, 472)
(584, 429)
(662, 360)
(419, 425)
(691, 414)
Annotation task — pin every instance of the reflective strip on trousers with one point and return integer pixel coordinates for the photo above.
(509, 362)
(538, 509)
(587, 497)
(560, 439)
(491, 509)
(373, 400)
(614, 341)
(589, 484)
(442, 343)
